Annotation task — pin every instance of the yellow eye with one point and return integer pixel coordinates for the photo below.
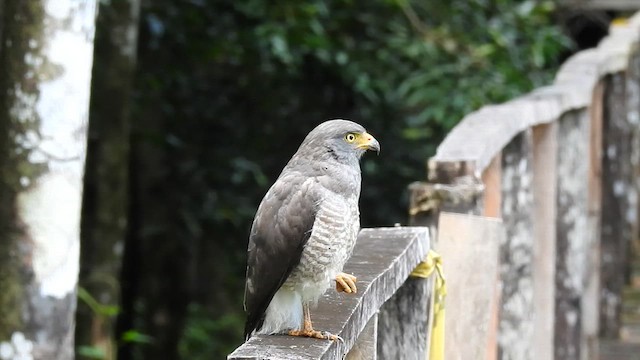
(350, 137)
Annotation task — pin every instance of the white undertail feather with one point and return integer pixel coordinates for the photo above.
(283, 313)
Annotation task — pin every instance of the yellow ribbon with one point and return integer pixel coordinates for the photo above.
(620, 21)
(432, 263)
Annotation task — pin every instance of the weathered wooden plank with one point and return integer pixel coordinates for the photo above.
(482, 134)
(366, 346)
(403, 322)
(382, 260)
(492, 185)
(633, 117)
(616, 183)
(469, 248)
(573, 241)
(590, 301)
(516, 252)
(545, 150)
(455, 187)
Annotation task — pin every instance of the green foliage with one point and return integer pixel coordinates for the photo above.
(96, 307)
(90, 352)
(135, 336)
(236, 85)
(202, 327)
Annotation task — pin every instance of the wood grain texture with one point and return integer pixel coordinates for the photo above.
(617, 181)
(491, 180)
(633, 116)
(545, 150)
(469, 248)
(382, 260)
(590, 302)
(403, 322)
(366, 346)
(516, 328)
(573, 264)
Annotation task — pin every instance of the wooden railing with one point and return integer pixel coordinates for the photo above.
(560, 167)
(382, 260)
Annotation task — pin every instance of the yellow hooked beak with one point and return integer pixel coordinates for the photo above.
(368, 142)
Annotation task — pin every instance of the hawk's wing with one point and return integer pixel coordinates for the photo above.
(281, 227)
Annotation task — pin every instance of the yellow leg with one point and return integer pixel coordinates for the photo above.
(307, 328)
(346, 283)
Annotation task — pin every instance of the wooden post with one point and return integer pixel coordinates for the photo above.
(366, 345)
(491, 179)
(453, 187)
(492, 199)
(571, 233)
(633, 117)
(516, 326)
(616, 182)
(403, 322)
(545, 149)
(469, 246)
(590, 301)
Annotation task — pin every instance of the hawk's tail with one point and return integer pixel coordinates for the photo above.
(283, 313)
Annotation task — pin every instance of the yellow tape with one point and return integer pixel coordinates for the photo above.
(620, 21)
(432, 263)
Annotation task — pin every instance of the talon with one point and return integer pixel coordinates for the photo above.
(332, 337)
(323, 335)
(346, 283)
(307, 328)
(341, 285)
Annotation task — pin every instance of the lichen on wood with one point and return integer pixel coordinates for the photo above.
(403, 321)
(573, 241)
(617, 179)
(516, 253)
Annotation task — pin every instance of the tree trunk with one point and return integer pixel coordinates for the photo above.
(46, 51)
(104, 208)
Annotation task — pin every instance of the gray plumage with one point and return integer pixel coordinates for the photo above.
(305, 227)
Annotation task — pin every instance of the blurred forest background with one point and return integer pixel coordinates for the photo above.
(197, 105)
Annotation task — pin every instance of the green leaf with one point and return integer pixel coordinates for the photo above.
(91, 352)
(95, 306)
(134, 336)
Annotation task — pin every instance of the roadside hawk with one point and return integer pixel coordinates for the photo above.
(305, 230)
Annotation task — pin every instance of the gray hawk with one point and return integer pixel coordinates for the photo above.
(305, 230)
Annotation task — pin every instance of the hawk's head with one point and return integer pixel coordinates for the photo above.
(342, 140)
